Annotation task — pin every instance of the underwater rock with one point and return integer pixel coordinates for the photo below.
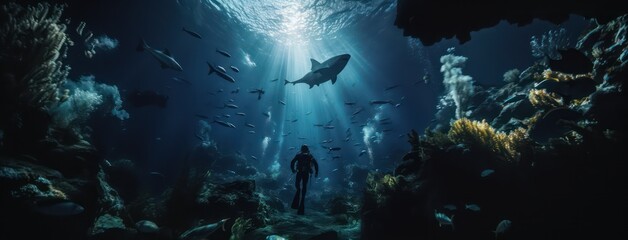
(520, 110)
(109, 227)
(551, 126)
(431, 21)
(237, 198)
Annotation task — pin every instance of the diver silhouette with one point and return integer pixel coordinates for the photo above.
(304, 162)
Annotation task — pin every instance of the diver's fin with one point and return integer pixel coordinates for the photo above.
(333, 79)
(315, 64)
(167, 52)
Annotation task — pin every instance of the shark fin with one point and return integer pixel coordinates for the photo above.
(333, 79)
(311, 85)
(211, 68)
(315, 64)
(167, 52)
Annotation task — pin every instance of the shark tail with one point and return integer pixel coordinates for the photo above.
(285, 82)
(211, 68)
(141, 46)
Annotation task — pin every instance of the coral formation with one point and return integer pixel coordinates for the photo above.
(458, 86)
(481, 135)
(541, 98)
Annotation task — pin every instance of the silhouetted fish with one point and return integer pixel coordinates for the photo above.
(194, 34)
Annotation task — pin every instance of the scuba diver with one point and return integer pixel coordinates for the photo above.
(304, 161)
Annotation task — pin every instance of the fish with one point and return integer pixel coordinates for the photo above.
(202, 231)
(274, 237)
(259, 92)
(226, 124)
(392, 87)
(292, 148)
(164, 57)
(250, 125)
(241, 114)
(231, 171)
(334, 149)
(181, 80)
(361, 153)
(253, 157)
(572, 61)
(328, 141)
(503, 227)
(274, 80)
(336, 157)
(224, 53)
(237, 90)
(235, 69)
(349, 103)
(323, 72)
(335, 169)
(443, 220)
(397, 105)
(282, 102)
(222, 69)
(220, 74)
(380, 102)
(294, 120)
(487, 172)
(230, 105)
(472, 207)
(252, 132)
(226, 115)
(357, 111)
(328, 127)
(194, 34)
(267, 114)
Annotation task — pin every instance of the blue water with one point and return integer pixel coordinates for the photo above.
(270, 40)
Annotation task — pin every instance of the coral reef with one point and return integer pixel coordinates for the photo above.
(33, 43)
(537, 160)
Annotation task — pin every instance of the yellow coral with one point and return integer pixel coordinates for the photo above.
(481, 135)
(541, 98)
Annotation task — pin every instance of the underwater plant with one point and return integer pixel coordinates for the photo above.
(480, 134)
(543, 99)
(239, 228)
(457, 85)
(549, 43)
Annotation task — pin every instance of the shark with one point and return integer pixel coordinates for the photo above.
(164, 57)
(323, 72)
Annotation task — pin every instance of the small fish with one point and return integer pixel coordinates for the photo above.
(502, 228)
(250, 125)
(349, 103)
(230, 105)
(253, 157)
(397, 105)
(237, 90)
(224, 53)
(222, 69)
(241, 114)
(225, 124)
(158, 138)
(235, 69)
(220, 90)
(226, 115)
(282, 102)
(472, 207)
(329, 127)
(361, 153)
(274, 80)
(292, 148)
(232, 172)
(328, 140)
(356, 144)
(443, 219)
(380, 102)
(252, 132)
(267, 114)
(392, 87)
(334, 149)
(335, 157)
(487, 172)
(194, 34)
(274, 237)
(294, 120)
(335, 169)
(357, 111)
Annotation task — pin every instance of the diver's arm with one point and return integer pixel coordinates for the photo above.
(294, 160)
(315, 166)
